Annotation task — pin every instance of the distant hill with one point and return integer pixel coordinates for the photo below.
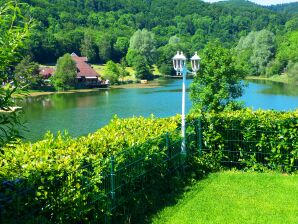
(104, 27)
(236, 3)
(290, 8)
(242, 5)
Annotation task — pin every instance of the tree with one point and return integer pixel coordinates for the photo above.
(121, 47)
(65, 74)
(112, 72)
(166, 53)
(255, 51)
(131, 57)
(14, 30)
(218, 83)
(27, 73)
(288, 46)
(142, 68)
(292, 71)
(122, 69)
(88, 48)
(142, 41)
(104, 48)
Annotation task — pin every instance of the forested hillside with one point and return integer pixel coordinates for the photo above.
(291, 8)
(101, 30)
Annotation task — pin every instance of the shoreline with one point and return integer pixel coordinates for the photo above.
(277, 79)
(150, 84)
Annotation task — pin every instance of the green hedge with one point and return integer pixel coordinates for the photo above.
(247, 139)
(67, 180)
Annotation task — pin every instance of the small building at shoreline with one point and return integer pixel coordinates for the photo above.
(86, 75)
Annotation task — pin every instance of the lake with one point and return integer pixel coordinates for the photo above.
(82, 113)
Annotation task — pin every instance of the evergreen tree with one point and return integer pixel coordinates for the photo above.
(27, 73)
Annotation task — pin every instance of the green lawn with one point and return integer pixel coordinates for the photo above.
(236, 197)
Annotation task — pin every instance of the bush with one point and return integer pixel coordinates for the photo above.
(69, 177)
(125, 166)
(257, 140)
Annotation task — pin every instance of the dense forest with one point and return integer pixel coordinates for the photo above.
(264, 39)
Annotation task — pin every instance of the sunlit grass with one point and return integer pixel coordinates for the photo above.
(100, 69)
(236, 197)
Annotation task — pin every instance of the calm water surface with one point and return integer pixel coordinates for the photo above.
(82, 113)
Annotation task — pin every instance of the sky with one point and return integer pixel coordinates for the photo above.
(263, 2)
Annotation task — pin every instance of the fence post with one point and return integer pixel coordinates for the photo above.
(168, 146)
(112, 174)
(199, 131)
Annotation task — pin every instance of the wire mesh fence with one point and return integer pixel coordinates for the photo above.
(91, 193)
(95, 192)
(249, 145)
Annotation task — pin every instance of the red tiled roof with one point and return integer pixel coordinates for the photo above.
(46, 72)
(84, 69)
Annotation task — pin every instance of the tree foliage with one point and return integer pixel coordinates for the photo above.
(112, 72)
(63, 25)
(218, 83)
(27, 74)
(65, 74)
(142, 42)
(14, 28)
(255, 51)
(88, 48)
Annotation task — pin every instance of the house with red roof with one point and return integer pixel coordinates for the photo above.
(86, 75)
(46, 72)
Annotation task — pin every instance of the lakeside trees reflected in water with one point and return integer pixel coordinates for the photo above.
(277, 88)
(82, 113)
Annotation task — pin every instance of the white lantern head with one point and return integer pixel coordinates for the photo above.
(179, 61)
(195, 62)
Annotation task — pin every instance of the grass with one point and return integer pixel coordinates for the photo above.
(236, 197)
(100, 69)
(284, 78)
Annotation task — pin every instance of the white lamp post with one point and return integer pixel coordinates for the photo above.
(179, 63)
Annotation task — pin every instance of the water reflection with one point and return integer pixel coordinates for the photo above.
(275, 88)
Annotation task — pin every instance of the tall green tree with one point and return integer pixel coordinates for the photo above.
(14, 30)
(292, 71)
(218, 83)
(65, 74)
(143, 42)
(104, 45)
(255, 51)
(27, 73)
(121, 47)
(142, 69)
(112, 72)
(288, 46)
(88, 48)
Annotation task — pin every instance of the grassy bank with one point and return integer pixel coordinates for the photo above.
(150, 84)
(237, 197)
(276, 78)
(100, 69)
